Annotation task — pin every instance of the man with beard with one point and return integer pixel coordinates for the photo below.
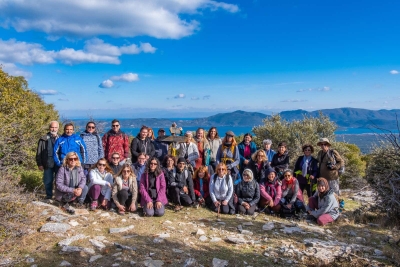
(44, 157)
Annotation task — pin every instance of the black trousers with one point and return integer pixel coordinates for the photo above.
(179, 197)
(240, 209)
(124, 199)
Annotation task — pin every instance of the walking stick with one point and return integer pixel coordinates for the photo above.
(219, 207)
(256, 215)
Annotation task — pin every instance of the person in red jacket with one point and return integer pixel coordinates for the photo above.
(201, 181)
(116, 141)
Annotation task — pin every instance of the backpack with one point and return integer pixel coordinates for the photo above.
(227, 178)
(341, 170)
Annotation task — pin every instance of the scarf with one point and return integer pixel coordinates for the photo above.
(271, 190)
(290, 182)
(306, 161)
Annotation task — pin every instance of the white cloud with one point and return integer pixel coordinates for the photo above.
(13, 70)
(94, 51)
(294, 100)
(106, 84)
(47, 92)
(180, 96)
(123, 18)
(394, 72)
(126, 77)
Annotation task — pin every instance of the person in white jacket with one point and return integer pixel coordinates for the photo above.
(188, 149)
(101, 181)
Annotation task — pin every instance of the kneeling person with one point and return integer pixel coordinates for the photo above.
(248, 193)
(125, 190)
(221, 191)
(101, 181)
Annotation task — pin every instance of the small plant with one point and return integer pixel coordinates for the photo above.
(32, 180)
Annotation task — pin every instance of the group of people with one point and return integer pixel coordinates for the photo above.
(112, 172)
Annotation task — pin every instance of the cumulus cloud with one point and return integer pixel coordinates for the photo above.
(47, 92)
(94, 51)
(13, 70)
(321, 89)
(179, 96)
(195, 98)
(126, 77)
(294, 100)
(106, 84)
(123, 18)
(394, 72)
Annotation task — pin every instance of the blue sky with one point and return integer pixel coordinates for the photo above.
(191, 58)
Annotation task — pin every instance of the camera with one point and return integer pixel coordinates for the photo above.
(330, 165)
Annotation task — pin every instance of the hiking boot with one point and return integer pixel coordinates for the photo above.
(93, 206)
(67, 208)
(80, 205)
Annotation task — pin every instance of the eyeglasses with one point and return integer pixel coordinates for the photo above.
(221, 169)
(153, 163)
(260, 155)
(115, 125)
(91, 127)
(73, 159)
(101, 164)
(128, 171)
(115, 157)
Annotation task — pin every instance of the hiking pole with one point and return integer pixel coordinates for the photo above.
(219, 206)
(256, 215)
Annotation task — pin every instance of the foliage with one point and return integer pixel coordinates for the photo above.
(24, 117)
(355, 166)
(383, 173)
(14, 208)
(32, 180)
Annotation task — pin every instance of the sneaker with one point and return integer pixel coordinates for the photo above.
(80, 205)
(67, 208)
(93, 205)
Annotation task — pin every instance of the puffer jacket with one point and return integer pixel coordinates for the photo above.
(63, 179)
(66, 144)
(94, 147)
(138, 146)
(115, 142)
(248, 192)
(280, 162)
(327, 204)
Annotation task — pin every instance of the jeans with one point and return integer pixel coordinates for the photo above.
(298, 204)
(154, 212)
(48, 180)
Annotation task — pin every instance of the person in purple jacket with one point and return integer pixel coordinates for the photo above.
(153, 189)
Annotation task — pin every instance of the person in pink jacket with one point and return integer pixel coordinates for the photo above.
(270, 192)
(291, 193)
(153, 189)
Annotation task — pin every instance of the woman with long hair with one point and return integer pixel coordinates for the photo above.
(221, 191)
(71, 183)
(153, 189)
(203, 147)
(150, 134)
(201, 184)
(246, 148)
(280, 161)
(228, 153)
(215, 142)
(259, 165)
(101, 181)
(125, 190)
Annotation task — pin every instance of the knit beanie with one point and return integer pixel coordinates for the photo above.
(181, 159)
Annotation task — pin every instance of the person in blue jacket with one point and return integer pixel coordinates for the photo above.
(246, 149)
(69, 142)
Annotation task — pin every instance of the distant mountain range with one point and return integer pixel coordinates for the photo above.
(343, 117)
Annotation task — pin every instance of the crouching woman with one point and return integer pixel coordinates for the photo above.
(71, 182)
(248, 193)
(291, 193)
(271, 192)
(153, 189)
(221, 191)
(323, 206)
(125, 191)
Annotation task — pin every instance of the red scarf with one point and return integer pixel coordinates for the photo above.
(290, 182)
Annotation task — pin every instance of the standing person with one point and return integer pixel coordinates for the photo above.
(292, 197)
(188, 150)
(116, 140)
(45, 160)
(150, 134)
(330, 163)
(142, 144)
(228, 153)
(221, 191)
(69, 142)
(323, 206)
(306, 169)
(246, 148)
(153, 189)
(160, 147)
(201, 185)
(114, 164)
(267, 149)
(94, 146)
(71, 183)
(180, 186)
(280, 161)
(215, 142)
(259, 165)
(271, 193)
(203, 147)
(100, 184)
(248, 194)
(139, 166)
(125, 190)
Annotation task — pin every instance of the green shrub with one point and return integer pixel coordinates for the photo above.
(32, 180)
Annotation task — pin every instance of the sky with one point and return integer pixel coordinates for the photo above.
(194, 58)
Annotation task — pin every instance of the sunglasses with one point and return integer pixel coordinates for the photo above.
(73, 159)
(101, 164)
(128, 171)
(221, 169)
(152, 163)
(91, 127)
(115, 157)
(115, 125)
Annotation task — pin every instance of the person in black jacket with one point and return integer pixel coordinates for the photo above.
(259, 165)
(306, 170)
(180, 186)
(45, 160)
(141, 143)
(280, 161)
(160, 147)
(248, 194)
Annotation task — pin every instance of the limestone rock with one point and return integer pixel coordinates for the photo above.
(268, 226)
(57, 218)
(219, 263)
(55, 227)
(191, 262)
(68, 241)
(71, 249)
(153, 263)
(97, 244)
(65, 263)
(123, 247)
(236, 240)
(121, 230)
(200, 232)
(94, 258)
(203, 238)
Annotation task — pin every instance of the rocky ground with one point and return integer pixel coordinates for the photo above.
(196, 237)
